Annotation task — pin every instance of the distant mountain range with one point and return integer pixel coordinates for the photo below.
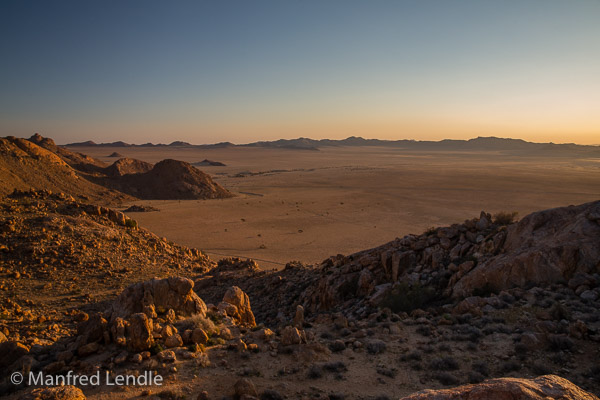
(480, 143)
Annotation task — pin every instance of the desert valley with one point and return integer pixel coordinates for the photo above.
(299, 200)
(338, 270)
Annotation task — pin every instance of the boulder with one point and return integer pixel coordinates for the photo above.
(10, 352)
(199, 336)
(55, 393)
(299, 317)
(139, 332)
(174, 341)
(245, 387)
(235, 296)
(290, 336)
(542, 388)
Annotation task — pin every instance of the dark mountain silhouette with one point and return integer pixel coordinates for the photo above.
(506, 145)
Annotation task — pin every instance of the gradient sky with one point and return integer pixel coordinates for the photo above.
(244, 71)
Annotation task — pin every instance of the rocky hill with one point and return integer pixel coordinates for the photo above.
(168, 179)
(40, 164)
(25, 165)
(58, 254)
(421, 312)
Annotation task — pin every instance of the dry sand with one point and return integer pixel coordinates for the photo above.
(308, 205)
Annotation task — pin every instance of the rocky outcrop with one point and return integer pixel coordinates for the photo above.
(240, 300)
(170, 179)
(542, 388)
(25, 165)
(478, 257)
(158, 296)
(544, 247)
(126, 166)
(130, 320)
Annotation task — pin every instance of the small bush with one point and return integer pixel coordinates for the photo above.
(541, 369)
(424, 330)
(476, 377)
(559, 342)
(560, 312)
(444, 364)
(156, 348)
(389, 372)
(198, 321)
(510, 366)
(481, 367)
(376, 346)
(446, 378)
(408, 298)
(337, 346)
(505, 217)
(213, 341)
(335, 366)
(414, 355)
(315, 372)
(131, 223)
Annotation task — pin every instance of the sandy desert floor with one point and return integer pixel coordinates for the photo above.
(307, 205)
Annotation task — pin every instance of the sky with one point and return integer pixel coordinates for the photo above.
(242, 71)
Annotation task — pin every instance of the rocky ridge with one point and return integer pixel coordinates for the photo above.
(39, 163)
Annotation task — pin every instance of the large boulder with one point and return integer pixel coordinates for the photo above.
(10, 352)
(542, 388)
(544, 247)
(236, 297)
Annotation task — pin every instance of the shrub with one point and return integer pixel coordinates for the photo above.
(505, 217)
(198, 321)
(414, 355)
(131, 223)
(408, 298)
(156, 348)
(446, 378)
(475, 377)
(481, 367)
(376, 346)
(560, 312)
(559, 342)
(215, 341)
(335, 366)
(510, 366)
(315, 372)
(389, 372)
(444, 364)
(541, 369)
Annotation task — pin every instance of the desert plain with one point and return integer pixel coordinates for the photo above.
(307, 205)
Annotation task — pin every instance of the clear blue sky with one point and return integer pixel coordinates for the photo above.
(243, 71)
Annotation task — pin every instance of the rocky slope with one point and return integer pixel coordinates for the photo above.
(40, 164)
(383, 323)
(25, 165)
(58, 254)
